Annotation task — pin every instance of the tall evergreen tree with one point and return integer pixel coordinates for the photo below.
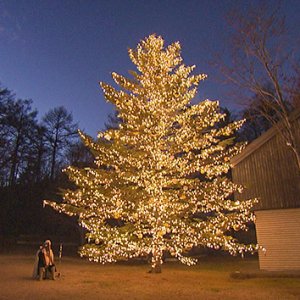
(159, 184)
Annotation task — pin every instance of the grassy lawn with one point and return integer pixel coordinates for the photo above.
(209, 279)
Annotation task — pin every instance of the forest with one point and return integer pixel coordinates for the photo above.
(33, 155)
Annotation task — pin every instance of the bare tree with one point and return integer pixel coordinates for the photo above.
(35, 158)
(79, 155)
(17, 123)
(261, 64)
(60, 131)
(295, 88)
(6, 100)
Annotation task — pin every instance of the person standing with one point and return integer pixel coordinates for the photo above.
(44, 267)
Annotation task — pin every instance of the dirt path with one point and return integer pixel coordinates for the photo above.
(83, 280)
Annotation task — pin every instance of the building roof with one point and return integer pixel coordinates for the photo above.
(260, 141)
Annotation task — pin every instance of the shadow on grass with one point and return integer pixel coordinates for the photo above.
(264, 274)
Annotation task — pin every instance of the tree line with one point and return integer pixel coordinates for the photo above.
(32, 155)
(31, 150)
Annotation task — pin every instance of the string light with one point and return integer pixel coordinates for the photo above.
(160, 182)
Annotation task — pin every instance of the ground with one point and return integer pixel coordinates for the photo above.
(80, 279)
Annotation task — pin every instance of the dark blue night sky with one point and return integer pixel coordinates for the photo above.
(55, 52)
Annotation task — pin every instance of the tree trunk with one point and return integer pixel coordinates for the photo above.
(38, 169)
(156, 262)
(297, 157)
(156, 268)
(53, 161)
(14, 161)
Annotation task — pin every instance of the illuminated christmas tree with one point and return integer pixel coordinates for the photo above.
(160, 183)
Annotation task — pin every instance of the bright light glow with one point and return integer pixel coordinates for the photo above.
(161, 180)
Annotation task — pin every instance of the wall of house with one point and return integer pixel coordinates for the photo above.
(269, 171)
(278, 231)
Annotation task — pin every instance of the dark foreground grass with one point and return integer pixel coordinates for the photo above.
(80, 279)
